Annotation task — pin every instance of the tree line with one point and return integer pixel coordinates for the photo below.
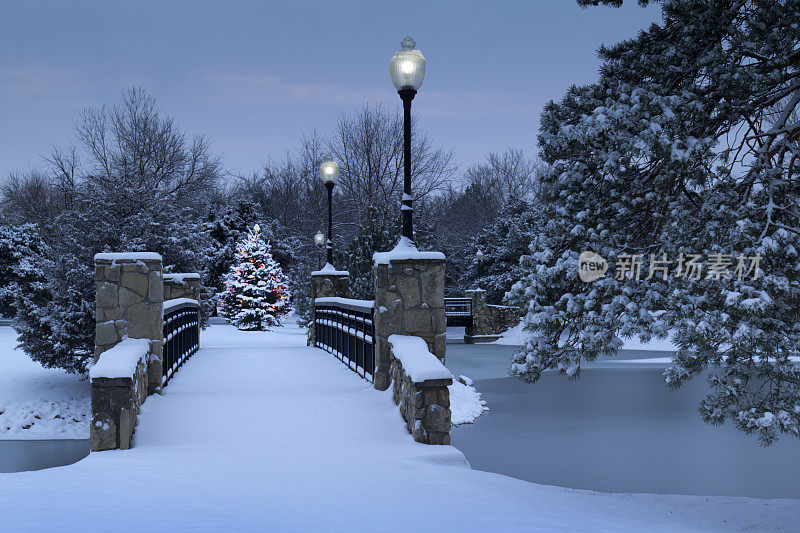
(133, 180)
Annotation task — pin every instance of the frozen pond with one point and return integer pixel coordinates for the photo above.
(22, 455)
(617, 429)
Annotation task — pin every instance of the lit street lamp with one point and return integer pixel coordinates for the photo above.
(319, 239)
(479, 258)
(407, 69)
(329, 172)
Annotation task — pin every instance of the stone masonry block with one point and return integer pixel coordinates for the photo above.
(408, 289)
(137, 282)
(155, 293)
(106, 333)
(127, 297)
(437, 418)
(112, 273)
(107, 295)
(432, 282)
(417, 321)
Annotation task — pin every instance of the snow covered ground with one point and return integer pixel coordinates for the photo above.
(259, 432)
(37, 402)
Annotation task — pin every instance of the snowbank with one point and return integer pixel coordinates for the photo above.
(405, 249)
(515, 336)
(418, 362)
(121, 360)
(37, 402)
(465, 402)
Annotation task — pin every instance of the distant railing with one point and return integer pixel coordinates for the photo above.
(181, 334)
(344, 327)
(458, 307)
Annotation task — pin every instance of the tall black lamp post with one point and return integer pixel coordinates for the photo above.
(319, 240)
(407, 69)
(329, 172)
(479, 259)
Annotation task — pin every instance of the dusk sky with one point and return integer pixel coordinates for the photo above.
(254, 76)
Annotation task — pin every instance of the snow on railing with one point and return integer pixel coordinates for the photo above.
(175, 303)
(347, 302)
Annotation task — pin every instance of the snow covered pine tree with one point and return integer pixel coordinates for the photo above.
(687, 144)
(19, 268)
(256, 293)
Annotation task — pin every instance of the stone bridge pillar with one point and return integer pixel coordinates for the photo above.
(182, 286)
(129, 303)
(326, 283)
(409, 300)
(488, 321)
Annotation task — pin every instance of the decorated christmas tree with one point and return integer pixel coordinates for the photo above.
(256, 291)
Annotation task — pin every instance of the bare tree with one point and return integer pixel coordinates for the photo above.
(368, 144)
(139, 159)
(509, 174)
(29, 197)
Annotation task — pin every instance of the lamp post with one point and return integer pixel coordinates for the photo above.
(329, 172)
(319, 240)
(407, 70)
(479, 258)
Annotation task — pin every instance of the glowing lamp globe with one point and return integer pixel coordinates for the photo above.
(329, 171)
(479, 255)
(319, 239)
(407, 67)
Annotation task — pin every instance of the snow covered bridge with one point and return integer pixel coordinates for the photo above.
(482, 322)
(260, 432)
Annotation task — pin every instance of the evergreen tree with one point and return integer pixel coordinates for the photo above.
(356, 255)
(19, 248)
(503, 243)
(687, 143)
(56, 320)
(142, 196)
(256, 292)
(224, 233)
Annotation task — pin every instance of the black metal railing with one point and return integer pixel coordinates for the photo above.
(344, 327)
(458, 311)
(181, 335)
(458, 306)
